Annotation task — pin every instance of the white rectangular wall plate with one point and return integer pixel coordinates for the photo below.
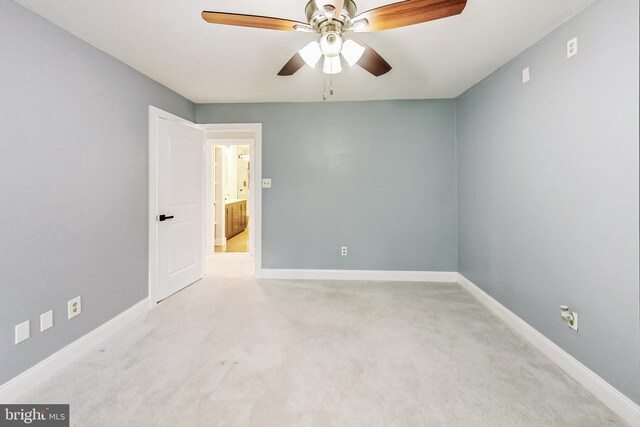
(344, 251)
(22, 332)
(266, 182)
(46, 320)
(572, 47)
(74, 307)
(526, 76)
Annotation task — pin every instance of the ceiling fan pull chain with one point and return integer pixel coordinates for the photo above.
(324, 87)
(331, 85)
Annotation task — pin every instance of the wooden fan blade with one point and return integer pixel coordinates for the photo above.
(409, 12)
(372, 61)
(294, 64)
(253, 21)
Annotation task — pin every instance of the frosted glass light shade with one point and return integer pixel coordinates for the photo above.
(332, 65)
(331, 44)
(311, 54)
(352, 52)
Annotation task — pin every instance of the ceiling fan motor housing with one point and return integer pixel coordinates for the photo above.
(318, 19)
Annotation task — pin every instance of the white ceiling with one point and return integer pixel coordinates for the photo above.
(168, 41)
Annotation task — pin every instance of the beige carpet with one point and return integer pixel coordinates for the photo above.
(233, 351)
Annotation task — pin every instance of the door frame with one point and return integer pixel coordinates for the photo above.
(242, 134)
(156, 114)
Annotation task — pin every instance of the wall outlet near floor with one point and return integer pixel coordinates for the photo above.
(572, 47)
(573, 323)
(570, 317)
(526, 76)
(343, 251)
(266, 182)
(74, 307)
(46, 320)
(22, 332)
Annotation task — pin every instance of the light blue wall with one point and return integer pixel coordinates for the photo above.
(547, 177)
(73, 183)
(548, 189)
(377, 177)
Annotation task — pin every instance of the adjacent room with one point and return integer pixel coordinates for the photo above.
(320, 213)
(231, 177)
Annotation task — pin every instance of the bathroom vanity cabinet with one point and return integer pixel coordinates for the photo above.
(235, 217)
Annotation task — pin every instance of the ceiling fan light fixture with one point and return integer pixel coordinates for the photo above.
(330, 19)
(352, 52)
(332, 65)
(331, 44)
(311, 54)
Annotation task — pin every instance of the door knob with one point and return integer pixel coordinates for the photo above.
(164, 217)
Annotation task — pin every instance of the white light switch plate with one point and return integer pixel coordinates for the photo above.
(22, 332)
(46, 320)
(526, 76)
(266, 182)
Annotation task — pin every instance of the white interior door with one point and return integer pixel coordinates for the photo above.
(180, 206)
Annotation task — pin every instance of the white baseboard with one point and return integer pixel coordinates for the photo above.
(32, 377)
(373, 275)
(609, 395)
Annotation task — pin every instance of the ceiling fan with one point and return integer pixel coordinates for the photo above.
(333, 19)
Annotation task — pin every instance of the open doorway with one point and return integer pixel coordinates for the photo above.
(231, 189)
(233, 215)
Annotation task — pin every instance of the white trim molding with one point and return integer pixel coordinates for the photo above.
(609, 395)
(245, 133)
(37, 374)
(372, 275)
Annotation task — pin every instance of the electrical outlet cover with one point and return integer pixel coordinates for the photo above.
(526, 76)
(266, 182)
(574, 326)
(572, 47)
(74, 307)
